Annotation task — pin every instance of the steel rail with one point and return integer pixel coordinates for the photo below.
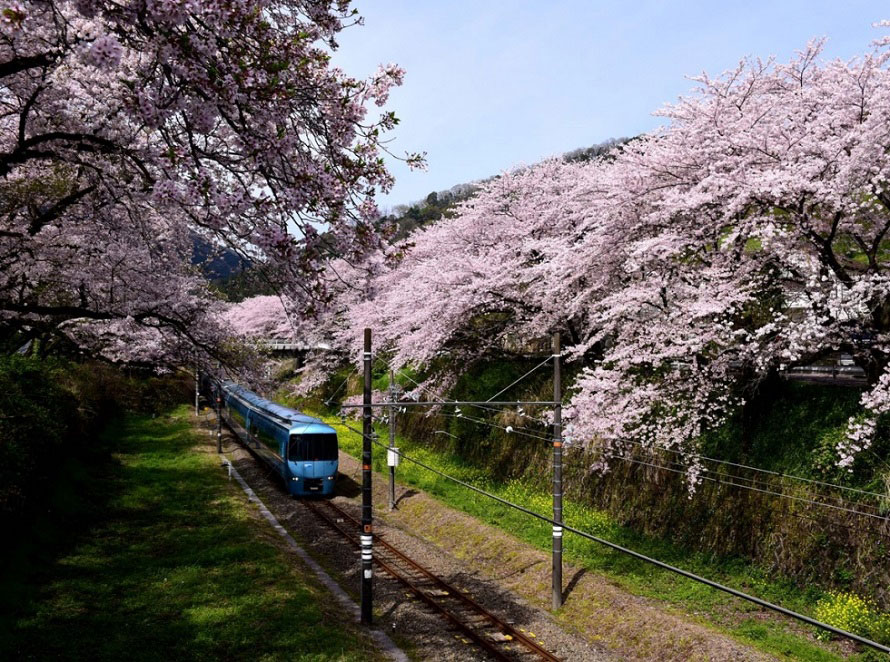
(485, 644)
(447, 587)
(490, 646)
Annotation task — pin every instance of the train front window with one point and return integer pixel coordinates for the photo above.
(312, 447)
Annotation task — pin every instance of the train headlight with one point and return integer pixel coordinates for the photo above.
(295, 478)
(330, 478)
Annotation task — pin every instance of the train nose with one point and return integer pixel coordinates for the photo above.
(315, 470)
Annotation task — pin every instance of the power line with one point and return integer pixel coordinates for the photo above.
(752, 487)
(475, 404)
(519, 431)
(702, 457)
(767, 471)
(820, 521)
(642, 557)
(515, 382)
(685, 472)
(508, 429)
(757, 489)
(754, 481)
(342, 384)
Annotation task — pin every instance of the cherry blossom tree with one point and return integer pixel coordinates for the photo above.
(129, 129)
(465, 286)
(685, 267)
(261, 317)
(759, 241)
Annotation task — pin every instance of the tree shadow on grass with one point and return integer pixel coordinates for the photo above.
(73, 503)
(171, 567)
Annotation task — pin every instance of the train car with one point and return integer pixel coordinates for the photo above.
(300, 448)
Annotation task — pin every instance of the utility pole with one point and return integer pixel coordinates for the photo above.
(197, 386)
(392, 456)
(218, 383)
(557, 476)
(367, 531)
(218, 420)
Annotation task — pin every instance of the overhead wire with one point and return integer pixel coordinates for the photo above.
(727, 483)
(515, 382)
(752, 487)
(703, 457)
(757, 489)
(475, 404)
(754, 480)
(342, 384)
(525, 432)
(508, 429)
(768, 471)
(823, 521)
(520, 431)
(637, 555)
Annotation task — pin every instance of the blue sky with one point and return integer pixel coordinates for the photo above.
(493, 84)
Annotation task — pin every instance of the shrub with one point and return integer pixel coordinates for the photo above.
(50, 410)
(850, 612)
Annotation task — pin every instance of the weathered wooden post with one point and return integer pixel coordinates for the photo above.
(367, 523)
(557, 476)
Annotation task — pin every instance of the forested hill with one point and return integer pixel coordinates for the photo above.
(234, 279)
(417, 214)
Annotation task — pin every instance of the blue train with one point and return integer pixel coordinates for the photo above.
(301, 449)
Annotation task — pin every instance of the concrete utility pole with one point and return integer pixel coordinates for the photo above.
(392, 456)
(367, 516)
(218, 389)
(218, 420)
(557, 476)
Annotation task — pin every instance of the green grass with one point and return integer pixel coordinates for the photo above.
(713, 607)
(174, 566)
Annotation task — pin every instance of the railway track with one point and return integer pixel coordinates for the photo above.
(496, 637)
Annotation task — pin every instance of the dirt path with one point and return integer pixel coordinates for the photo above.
(624, 626)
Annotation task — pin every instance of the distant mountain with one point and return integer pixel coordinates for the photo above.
(232, 276)
(215, 261)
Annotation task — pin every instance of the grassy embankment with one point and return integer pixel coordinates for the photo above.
(740, 619)
(164, 559)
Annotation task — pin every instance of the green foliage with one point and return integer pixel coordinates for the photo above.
(795, 430)
(38, 418)
(850, 612)
(48, 411)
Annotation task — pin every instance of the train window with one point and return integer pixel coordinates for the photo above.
(265, 436)
(238, 418)
(309, 447)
